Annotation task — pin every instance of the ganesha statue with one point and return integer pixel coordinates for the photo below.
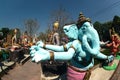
(80, 51)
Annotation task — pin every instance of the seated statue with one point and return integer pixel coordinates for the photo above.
(114, 44)
(75, 51)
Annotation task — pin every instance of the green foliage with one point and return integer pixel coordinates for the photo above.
(116, 24)
(103, 28)
(106, 26)
(99, 28)
(5, 31)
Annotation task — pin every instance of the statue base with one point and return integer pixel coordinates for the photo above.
(111, 67)
(117, 57)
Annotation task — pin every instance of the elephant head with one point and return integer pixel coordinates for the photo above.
(71, 31)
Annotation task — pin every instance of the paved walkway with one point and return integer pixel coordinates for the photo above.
(28, 71)
(6, 65)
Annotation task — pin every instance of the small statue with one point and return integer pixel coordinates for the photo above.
(115, 43)
(14, 38)
(25, 39)
(55, 36)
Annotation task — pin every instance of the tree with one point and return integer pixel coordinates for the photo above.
(63, 17)
(5, 31)
(116, 24)
(106, 27)
(98, 27)
(31, 26)
(103, 29)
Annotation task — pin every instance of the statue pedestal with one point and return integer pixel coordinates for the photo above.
(117, 57)
(53, 70)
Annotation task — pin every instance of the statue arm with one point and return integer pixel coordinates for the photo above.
(64, 55)
(104, 57)
(115, 45)
(43, 55)
(53, 47)
(101, 56)
(71, 51)
(72, 47)
(58, 48)
(109, 44)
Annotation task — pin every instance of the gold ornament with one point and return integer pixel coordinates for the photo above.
(56, 24)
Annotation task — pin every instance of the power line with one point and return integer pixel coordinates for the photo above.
(106, 9)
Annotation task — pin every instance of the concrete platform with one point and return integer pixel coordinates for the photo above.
(102, 74)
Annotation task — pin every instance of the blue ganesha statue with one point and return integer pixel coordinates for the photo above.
(80, 51)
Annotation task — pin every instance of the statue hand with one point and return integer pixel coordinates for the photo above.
(110, 58)
(32, 53)
(37, 57)
(107, 42)
(41, 55)
(40, 43)
(34, 47)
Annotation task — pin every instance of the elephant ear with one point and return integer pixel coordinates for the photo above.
(73, 31)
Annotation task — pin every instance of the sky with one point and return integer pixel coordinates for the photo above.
(13, 13)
